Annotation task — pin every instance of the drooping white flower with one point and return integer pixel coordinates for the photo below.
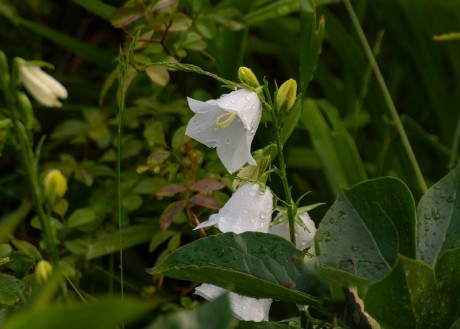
(249, 209)
(43, 87)
(243, 307)
(228, 124)
(304, 239)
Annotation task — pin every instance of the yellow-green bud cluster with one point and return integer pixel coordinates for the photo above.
(43, 270)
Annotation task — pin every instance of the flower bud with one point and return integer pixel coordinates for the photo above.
(247, 77)
(286, 95)
(43, 87)
(42, 271)
(55, 185)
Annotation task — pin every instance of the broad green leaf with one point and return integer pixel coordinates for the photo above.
(212, 315)
(107, 243)
(80, 217)
(409, 297)
(438, 211)
(447, 272)
(103, 314)
(10, 290)
(358, 234)
(253, 264)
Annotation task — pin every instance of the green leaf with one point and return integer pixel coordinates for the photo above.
(103, 314)
(10, 290)
(334, 145)
(409, 298)
(359, 233)
(107, 243)
(81, 217)
(96, 7)
(253, 264)
(212, 315)
(438, 212)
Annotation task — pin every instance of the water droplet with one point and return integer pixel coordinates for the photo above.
(262, 216)
(232, 101)
(435, 214)
(246, 98)
(220, 253)
(355, 248)
(252, 193)
(228, 140)
(427, 216)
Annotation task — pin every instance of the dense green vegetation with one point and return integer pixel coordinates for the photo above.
(100, 196)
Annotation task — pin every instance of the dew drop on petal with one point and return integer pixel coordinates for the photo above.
(252, 193)
(228, 140)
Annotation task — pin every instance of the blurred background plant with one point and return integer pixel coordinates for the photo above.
(343, 135)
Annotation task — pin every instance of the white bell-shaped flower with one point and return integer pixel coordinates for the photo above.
(228, 124)
(43, 87)
(249, 209)
(304, 238)
(243, 307)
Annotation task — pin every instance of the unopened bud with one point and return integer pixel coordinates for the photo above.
(43, 270)
(286, 95)
(248, 77)
(55, 185)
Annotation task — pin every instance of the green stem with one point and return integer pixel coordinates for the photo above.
(121, 94)
(386, 96)
(27, 159)
(283, 176)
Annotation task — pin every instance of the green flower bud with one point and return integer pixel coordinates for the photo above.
(286, 95)
(247, 77)
(55, 185)
(43, 270)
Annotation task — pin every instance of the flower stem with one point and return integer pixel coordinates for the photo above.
(386, 95)
(27, 159)
(283, 176)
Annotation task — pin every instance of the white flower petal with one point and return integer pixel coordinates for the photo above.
(249, 209)
(304, 239)
(246, 104)
(233, 142)
(44, 88)
(243, 307)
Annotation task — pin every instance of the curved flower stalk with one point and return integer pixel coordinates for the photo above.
(227, 124)
(304, 238)
(244, 308)
(249, 209)
(43, 87)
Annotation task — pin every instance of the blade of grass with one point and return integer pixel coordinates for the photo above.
(386, 94)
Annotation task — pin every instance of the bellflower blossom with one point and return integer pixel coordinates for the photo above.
(243, 307)
(249, 209)
(228, 124)
(43, 87)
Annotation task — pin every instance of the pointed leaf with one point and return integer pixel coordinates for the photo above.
(358, 234)
(207, 201)
(253, 264)
(438, 212)
(208, 184)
